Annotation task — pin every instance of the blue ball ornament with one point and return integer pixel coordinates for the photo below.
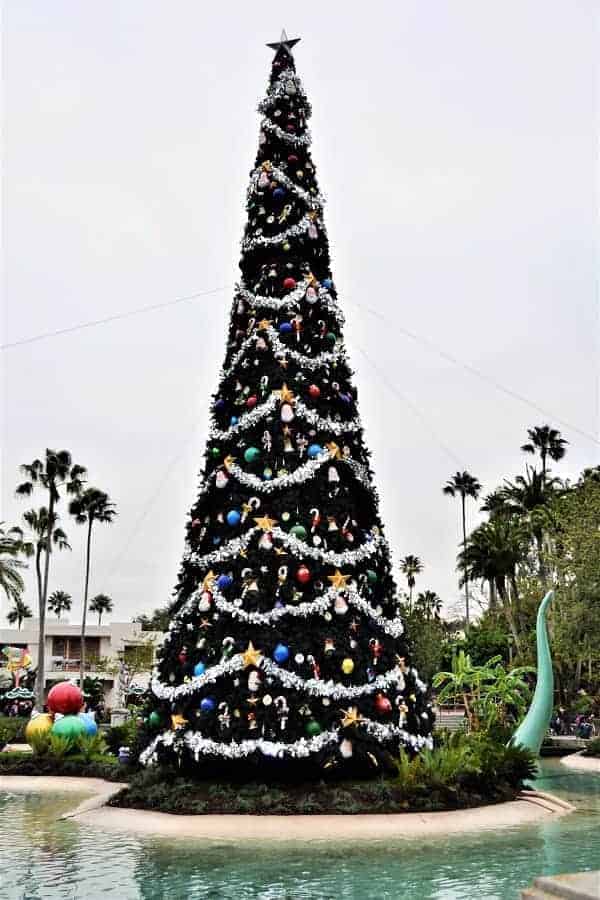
(224, 581)
(233, 420)
(281, 654)
(233, 517)
(327, 284)
(207, 704)
(90, 726)
(278, 193)
(285, 328)
(220, 404)
(314, 450)
(199, 668)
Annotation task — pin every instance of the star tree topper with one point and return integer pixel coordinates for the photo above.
(285, 42)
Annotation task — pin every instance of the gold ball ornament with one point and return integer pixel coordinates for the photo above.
(40, 724)
(348, 666)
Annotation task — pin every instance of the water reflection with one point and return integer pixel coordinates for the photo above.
(41, 857)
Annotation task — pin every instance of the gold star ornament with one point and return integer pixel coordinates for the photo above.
(351, 716)
(265, 523)
(264, 324)
(209, 581)
(334, 450)
(285, 395)
(251, 656)
(338, 580)
(178, 721)
(228, 461)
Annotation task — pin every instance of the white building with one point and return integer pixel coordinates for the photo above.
(106, 646)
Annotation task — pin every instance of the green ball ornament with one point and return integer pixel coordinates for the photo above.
(70, 727)
(215, 452)
(298, 531)
(371, 576)
(154, 719)
(313, 728)
(251, 454)
(331, 337)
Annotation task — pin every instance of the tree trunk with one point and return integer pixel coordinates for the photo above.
(493, 602)
(41, 666)
(85, 602)
(578, 674)
(508, 613)
(464, 525)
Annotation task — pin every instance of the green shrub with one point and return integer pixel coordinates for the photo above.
(90, 746)
(12, 730)
(72, 765)
(40, 743)
(122, 736)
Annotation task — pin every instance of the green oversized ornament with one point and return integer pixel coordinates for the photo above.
(70, 727)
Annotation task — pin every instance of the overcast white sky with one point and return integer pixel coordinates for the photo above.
(456, 143)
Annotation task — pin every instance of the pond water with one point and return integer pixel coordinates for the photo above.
(42, 857)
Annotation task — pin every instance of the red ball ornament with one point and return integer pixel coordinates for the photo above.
(303, 575)
(289, 283)
(290, 129)
(292, 159)
(382, 704)
(182, 657)
(314, 391)
(251, 402)
(65, 698)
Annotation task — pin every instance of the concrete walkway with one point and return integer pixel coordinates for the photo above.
(582, 763)
(579, 886)
(530, 808)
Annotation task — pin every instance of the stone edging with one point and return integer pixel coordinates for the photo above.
(530, 807)
(583, 763)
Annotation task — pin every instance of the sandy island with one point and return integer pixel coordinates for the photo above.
(582, 763)
(530, 808)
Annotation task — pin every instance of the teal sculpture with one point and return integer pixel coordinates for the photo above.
(532, 729)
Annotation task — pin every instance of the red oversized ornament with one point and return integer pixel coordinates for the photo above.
(289, 283)
(382, 704)
(65, 698)
(251, 402)
(303, 575)
(314, 391)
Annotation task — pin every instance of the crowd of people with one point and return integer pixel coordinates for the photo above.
(575, 724)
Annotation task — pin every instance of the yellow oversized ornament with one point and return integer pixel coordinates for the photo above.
(40, 724)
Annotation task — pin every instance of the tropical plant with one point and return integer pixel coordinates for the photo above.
(490, 694)
(11, 580)
(430, 603)
(90, 746)
(547, 442)
(57, 469)
(101, 604)
(59, 602)
(411, 566)
(19, 612)
(464, 485)
(91, 505)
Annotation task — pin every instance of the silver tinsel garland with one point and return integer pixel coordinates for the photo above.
(313, 201)
(301, 410)
(301, 748)
(295, 140)
(296, 545)
(315, 687)
(290, 301)
(262, 241)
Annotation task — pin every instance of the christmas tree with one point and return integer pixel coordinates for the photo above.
(285, 640)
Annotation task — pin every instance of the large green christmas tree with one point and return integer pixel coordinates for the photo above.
(285, 641)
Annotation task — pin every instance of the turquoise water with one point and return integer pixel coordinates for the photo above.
(41, 857)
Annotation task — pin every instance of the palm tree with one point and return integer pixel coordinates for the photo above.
(11, 546)
(59, 602)
(55, 471)
(547, 442)
(430, 603)
(101, 604)
(465, 485)
(410, 566)
(493, 552)
(37, 522)
(92, 505)
(528, 497)
(19, 612)
(494, 504)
